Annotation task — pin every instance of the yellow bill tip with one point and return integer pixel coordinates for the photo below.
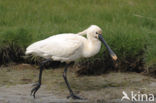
(114, 57)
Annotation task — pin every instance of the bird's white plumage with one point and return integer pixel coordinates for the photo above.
(67, 47)
(62, 46)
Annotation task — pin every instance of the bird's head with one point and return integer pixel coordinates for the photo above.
(94, 32)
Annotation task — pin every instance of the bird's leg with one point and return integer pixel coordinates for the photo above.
(38, 84)
(72, 95)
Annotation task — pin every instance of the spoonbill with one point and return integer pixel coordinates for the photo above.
(68, 47)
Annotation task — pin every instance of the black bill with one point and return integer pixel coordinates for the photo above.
(112, 54)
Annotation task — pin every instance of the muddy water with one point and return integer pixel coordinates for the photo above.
(21, 94)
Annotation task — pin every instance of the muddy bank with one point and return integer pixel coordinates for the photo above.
(21, 94)
(16, 84)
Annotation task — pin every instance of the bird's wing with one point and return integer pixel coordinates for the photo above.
(63, 45)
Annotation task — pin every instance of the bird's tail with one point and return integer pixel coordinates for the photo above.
(28, 52)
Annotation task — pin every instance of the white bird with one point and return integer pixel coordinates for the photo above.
(68, 47)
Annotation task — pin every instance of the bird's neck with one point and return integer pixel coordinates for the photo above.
(91, 48)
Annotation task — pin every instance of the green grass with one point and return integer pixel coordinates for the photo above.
(128, 25)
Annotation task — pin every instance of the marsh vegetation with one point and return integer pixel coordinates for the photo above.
(128, 26)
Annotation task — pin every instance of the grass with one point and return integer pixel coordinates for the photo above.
(129, 26)
(106, 86)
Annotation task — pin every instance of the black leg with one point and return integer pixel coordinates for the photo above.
(38, 84)
(72, 95)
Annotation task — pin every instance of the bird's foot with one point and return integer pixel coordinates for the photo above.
(73, 96)
(35, 89)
